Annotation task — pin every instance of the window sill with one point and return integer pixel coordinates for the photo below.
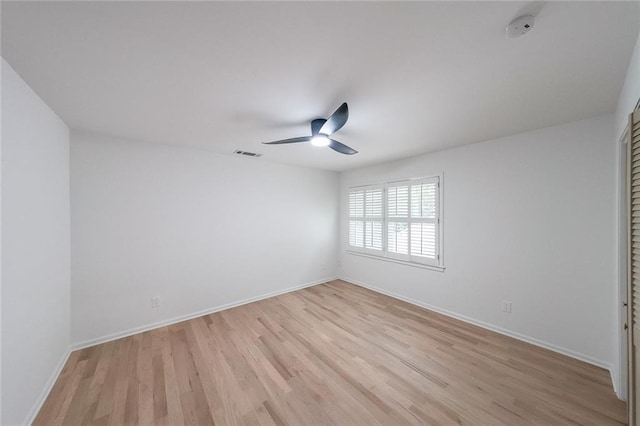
(401, 262)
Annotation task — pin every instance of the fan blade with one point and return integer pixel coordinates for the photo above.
(292, 140)
(341, 148)
(316, 125)
(336, 121)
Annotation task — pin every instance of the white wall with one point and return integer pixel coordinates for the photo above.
(528, 218)
(1, 72)
(196, 228)
(35, 247)
(630, 93)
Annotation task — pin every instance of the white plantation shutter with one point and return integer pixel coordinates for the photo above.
(356, 233)
(366, 216)
(373, 217)
(398, 220)
(356, 204)
(412, 220)
(373, 235)
(398, 201)
(398, 238)
(424, 215)
(356, 218)
(423, 240)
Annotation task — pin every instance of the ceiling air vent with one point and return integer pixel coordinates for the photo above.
(247, 153)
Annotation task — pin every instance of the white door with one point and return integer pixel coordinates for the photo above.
(633, 292)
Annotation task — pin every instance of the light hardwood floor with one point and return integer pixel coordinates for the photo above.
(331, 354)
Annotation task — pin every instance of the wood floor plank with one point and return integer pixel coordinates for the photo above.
(53, 402)
(334, 353)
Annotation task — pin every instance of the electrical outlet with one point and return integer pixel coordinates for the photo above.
(155, 302)
(506, 306)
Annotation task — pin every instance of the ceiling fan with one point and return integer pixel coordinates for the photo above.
(321, 129)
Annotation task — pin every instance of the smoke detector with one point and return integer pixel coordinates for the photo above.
(520, 26)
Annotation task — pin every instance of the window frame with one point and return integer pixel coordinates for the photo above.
(385, 254)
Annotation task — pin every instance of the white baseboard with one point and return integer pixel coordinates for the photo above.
(619, 386)
(616, 387)
(174, 320)
(488, 326)
(47, 388)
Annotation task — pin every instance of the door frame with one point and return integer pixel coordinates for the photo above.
(625, 388)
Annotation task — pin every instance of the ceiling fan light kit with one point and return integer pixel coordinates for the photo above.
(320, 140)
(322, 129)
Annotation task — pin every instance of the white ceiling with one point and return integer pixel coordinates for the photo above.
(418, 77)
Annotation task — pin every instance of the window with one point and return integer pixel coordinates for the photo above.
(397, 220)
